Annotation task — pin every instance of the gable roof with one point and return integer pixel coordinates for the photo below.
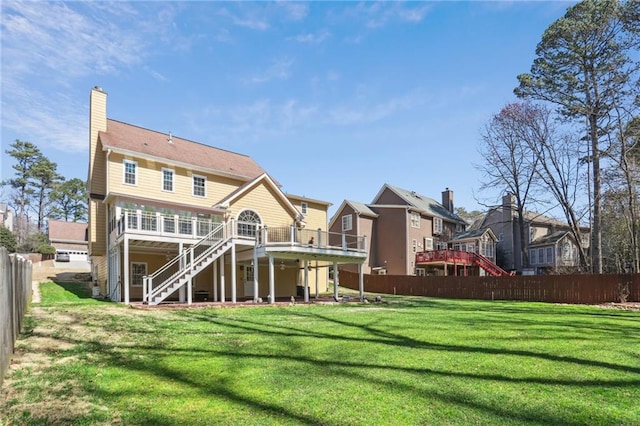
(424, 204)
(473, 234)
(224, 203)
(550, 239)
(59, 230)
(360, 208)
(129, 139)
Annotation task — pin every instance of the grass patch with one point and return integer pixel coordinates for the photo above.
(405, 361)
(74, 293)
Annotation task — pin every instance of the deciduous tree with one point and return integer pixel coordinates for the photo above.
(509, 163)
(585, 66)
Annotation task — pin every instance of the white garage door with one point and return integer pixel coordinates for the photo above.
(75, 255)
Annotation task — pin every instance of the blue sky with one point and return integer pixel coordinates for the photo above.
(333, 99)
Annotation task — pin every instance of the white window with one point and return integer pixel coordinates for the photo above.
(415, 220)
(428, 243)
(199, 183)
(304, 207)
(167, 180)
(414, 246)
(130, 172)
(437, 225)
(489, 249)
(248, 222)
(420, 272)
(347, 223)
(549, 254)
(567, 252)
(138, 271)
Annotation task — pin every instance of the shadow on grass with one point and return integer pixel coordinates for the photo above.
(127, 356)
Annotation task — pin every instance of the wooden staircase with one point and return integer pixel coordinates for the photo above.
(178, 272)
(461, 258)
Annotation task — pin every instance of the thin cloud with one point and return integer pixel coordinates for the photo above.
(279, 70)
(348, 115)
(42, 119)
(380, 14)
(60, 43)
(311, 38)
(295, 11)
(251, 21)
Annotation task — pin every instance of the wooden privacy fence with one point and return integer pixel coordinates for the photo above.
(587, 289)
(15, 295)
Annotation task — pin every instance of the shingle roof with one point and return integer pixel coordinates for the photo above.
(474, 233)
(60, 230)
(362, 208)
(549, 239)
(148, 143)
(426, 204)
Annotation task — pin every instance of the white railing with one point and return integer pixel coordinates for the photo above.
(292, 236)
(161, 279)
(156, 223)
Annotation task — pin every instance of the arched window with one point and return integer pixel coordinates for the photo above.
(248, 222)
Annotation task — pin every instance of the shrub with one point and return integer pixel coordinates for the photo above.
(8, 240)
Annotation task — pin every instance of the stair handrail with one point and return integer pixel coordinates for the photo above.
(489, 265)
(221, 231)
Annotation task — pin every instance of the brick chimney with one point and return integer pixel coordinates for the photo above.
(447, 199)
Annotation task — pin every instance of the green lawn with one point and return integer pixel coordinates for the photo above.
(404, 361)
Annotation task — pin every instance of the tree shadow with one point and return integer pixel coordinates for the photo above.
(332, 328)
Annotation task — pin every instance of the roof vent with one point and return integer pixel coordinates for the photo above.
(170, 138)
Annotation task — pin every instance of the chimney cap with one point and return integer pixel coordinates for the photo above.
(98, 88)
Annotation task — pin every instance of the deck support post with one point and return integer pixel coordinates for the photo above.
(272, 290)
(233, 273)
(361, 282)
(223, 297)
(255, 274)
(215, 281)
(336, 281)
(306, 281)
(126, 274)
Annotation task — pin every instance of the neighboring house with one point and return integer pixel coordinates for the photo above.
(549, 242)
(172, 219)
(399, 224)
(69, 237)
(6, 217)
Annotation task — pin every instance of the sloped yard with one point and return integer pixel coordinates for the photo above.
(403, 361)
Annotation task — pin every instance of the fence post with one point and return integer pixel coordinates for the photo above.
(15, 295)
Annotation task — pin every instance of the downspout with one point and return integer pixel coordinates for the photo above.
(406, 240)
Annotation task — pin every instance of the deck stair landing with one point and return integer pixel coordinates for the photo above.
(177, 272)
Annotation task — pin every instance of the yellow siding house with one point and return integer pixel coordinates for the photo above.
(175, 220)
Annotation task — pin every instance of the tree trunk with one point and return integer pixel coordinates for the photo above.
(596, 231)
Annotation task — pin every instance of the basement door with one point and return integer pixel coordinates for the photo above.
(248, 281)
